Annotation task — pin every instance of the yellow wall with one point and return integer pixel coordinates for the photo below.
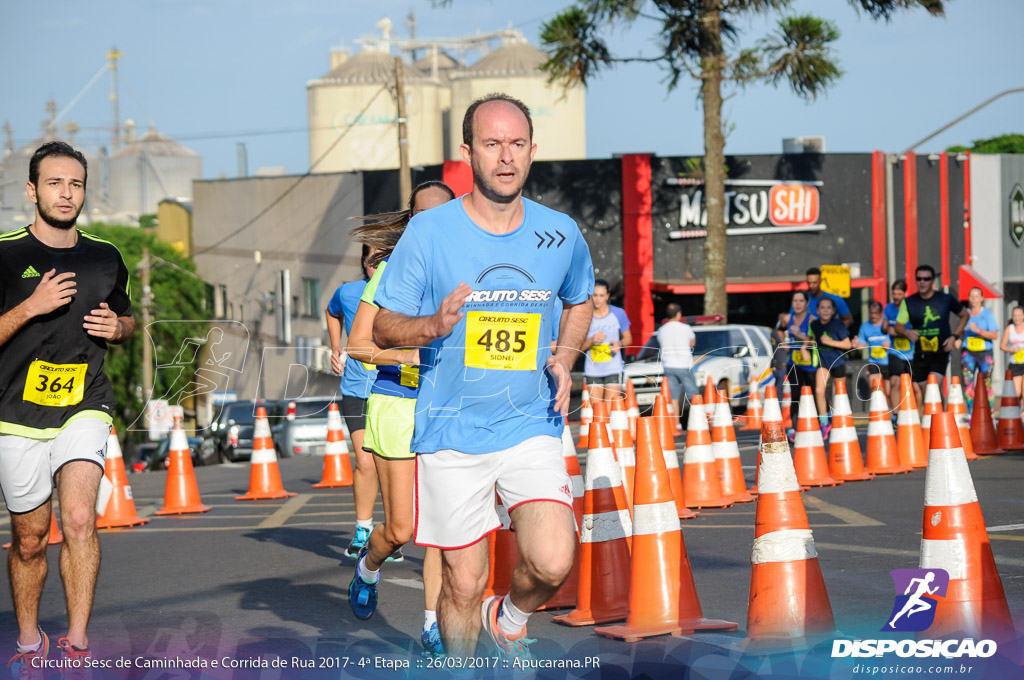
(174, 225)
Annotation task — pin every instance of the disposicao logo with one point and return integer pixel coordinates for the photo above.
(917, 593)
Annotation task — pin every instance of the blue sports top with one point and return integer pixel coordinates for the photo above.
(356, 380)
(871, 335)
(484, 387)
(901, 347)
(392, 379)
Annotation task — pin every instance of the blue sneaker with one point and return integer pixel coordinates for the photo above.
(362, 596)
(397, 556)
(29, 665)
(431, 639)
(358, 541)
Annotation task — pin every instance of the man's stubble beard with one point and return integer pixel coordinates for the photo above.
(490, 193)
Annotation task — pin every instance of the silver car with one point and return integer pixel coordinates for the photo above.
(304, 427)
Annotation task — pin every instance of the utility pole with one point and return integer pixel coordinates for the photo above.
(115, 133)
(404, 175)
(147, 350)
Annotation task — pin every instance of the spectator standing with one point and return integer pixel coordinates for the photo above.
(603, 366)
(677, 340)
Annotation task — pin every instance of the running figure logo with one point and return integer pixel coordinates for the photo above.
(914, 610)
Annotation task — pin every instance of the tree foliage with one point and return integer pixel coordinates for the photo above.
(1002, 144)
(178, 295)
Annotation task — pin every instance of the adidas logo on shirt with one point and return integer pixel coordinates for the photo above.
(30, 273)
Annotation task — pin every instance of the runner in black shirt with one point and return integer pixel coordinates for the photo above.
(63, 297)
(927, 312)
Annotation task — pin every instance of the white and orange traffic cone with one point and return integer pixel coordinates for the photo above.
(772, 413)
(727, 455)
(883, 456)
(955, 539)
(809, 458)
(586, 416)
(932, 405)
(337, 464)
(632, 409)
(956, 405)
(119, 507)
(565, 596)
(983, 428)
(622, 443)
(264, 475)
(754, 410)
(710, 399)
(668, 449)
(503, 554)
(670, 408)
(788, 601)
(787, 403)
(701, 487)
(1010, 431)
(845, 461)
(603, 593)
(181, 494)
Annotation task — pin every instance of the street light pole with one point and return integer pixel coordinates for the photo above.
(965, 115)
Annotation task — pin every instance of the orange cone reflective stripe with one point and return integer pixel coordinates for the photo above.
(932, 405)
(845, 461)
(181, 494)
(264, 475)
(754, 410)
(337, 464)
(623, 445)
(882, 457)
(809, 457)
(1010, 431)
(956, 405)
(668, 448)
(727, 455)
(119, 507)
(701, 487)
(983, 429)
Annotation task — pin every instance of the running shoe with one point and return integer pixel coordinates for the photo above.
(825, 430)
(431, 639)
(396, 556)
(21, 665)
(76, 660)
(358, 541)
(362, 596)
(508, 647)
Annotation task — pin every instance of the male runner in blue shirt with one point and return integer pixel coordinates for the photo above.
(473, 283)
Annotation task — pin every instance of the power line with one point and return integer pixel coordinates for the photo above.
(248, 223)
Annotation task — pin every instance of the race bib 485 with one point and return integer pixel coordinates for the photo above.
(502, 340)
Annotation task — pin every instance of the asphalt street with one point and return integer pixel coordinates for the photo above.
(265, 578)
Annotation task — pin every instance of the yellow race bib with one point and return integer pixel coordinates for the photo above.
(409, 376)
(502, 341)
(902, 344)
(975, 344)
(55, 384)
(1018, 356)
(798, 359)
(930, 344)
(878, 352)
(601, 353)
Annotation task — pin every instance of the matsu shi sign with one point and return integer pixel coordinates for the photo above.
(752, 206)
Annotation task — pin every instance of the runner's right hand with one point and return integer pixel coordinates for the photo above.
(52, 293)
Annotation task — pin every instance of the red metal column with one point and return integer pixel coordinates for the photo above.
(968, 257)
(910, 214)
(946, 265)
(458, 176)
(878, 225)
(637, 245)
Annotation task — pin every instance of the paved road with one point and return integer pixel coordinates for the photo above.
(269, 577)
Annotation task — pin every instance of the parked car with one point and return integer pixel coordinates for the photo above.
(159, 457)
(732, 355)
(142, 454)
(304, 432)
(230, 437)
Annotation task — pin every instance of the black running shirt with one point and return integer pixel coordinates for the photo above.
(930, 318)
(51, 370)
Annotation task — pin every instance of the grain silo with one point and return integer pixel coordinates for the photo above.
(149, 169)
(440, 65)
(559, 118)
(356, 99)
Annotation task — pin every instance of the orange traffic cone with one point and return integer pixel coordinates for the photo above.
(120, 507)
(181, 494)
(701, 487)
(1010, 430)
(586, 416)
(753, 408)
(932, 405)
(503, 554)
(657, 545)
(565, 596)
(809, 458)
(787, 402)
(264, 475)
(956, 405)
(727, 455)
(772, 413)
(603, 593)
(668, 449)
(337, 465)
(955, 539)
(623, 446)
(671, 409)
(883, 457)
(632, 409)
(983, 429)
(844, 457)
(788, 601)
(710, 399)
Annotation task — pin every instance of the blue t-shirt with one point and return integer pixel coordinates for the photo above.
(356, 380)
(599, 360)
(871, 335)
(986, 321)
(901, 347)
(484, 387)
(835, 330)
(795, 356)
(842, 309)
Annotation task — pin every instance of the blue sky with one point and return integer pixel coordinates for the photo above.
(212, 73)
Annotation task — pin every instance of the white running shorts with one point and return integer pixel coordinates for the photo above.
(455, 505)
(28, 466)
